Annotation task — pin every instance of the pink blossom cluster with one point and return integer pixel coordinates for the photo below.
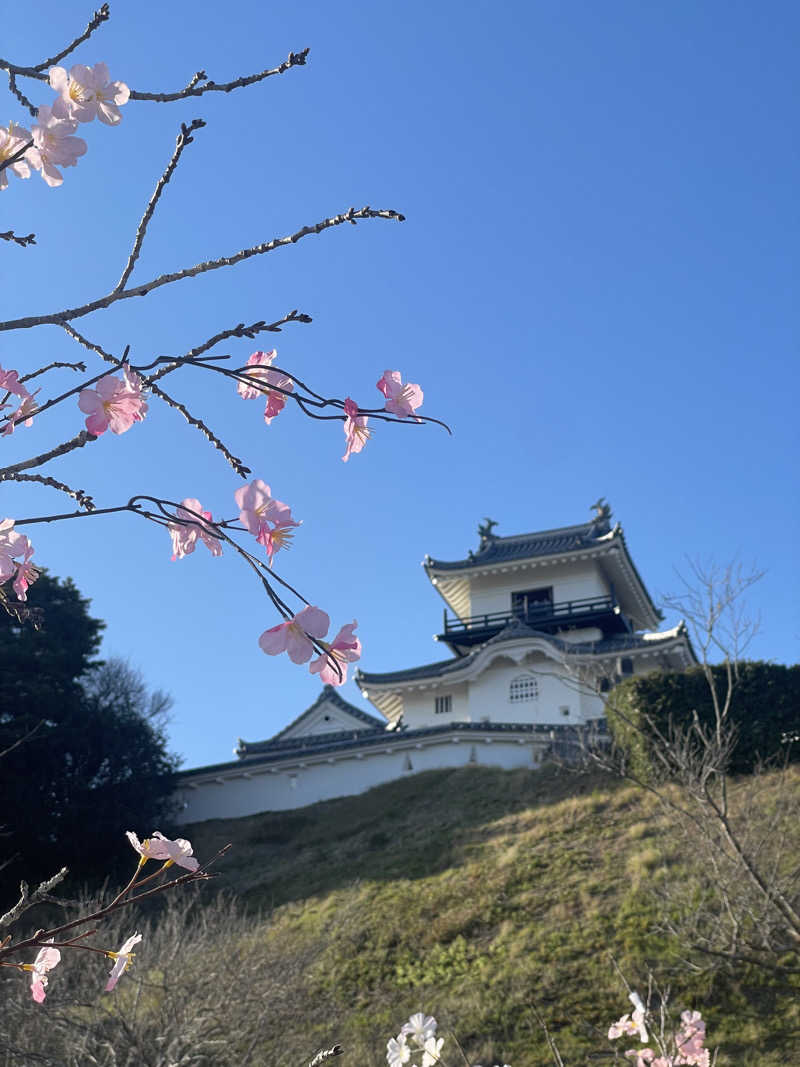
(295, 638)
(268, 520)
(114, 404)
(12, 386)
(402, 400)
(689, 1041)
(186, 534)
(15, 559)
(83, 94)
(281, 385)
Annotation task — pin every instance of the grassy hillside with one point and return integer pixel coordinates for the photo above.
(473, 894)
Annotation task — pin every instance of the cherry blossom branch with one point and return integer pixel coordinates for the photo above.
(9, 235)
(99, 17)
(53, 366)
(239, 331)
(16, 156)
(183, 139)
(352, 215)
(83, 499)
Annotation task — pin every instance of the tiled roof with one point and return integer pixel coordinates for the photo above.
(319, 744)
(327, 696)
(523, 546)
(516, 629)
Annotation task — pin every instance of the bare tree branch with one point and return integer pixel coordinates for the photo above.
(295, 59)
(183, 139)
(97, 19)
(81, 439)
(28, 899)
(83, 499)
(60, 317)
(15, 89)
(9, 235)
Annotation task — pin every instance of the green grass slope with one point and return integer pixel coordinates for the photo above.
(473, 895)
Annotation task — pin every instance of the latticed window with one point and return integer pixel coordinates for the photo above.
(523, 687)
(443, 705)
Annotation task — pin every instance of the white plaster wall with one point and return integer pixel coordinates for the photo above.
(489, 694)
(570, 581)
(419, 706)
(295, 786)
(325, 719)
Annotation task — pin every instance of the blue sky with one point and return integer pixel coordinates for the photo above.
(595, 286)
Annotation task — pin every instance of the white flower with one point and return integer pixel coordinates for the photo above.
(397, 1051)
(638, 1016)
(87, 93)
(54, 144)
(11, 140)
(419, 1027)
(433, 1050)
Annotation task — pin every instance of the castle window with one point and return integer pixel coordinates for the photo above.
(523, 687)
(626, 665)
(442, 705)
(532, 603)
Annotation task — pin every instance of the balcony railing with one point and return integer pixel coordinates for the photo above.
(584, 611)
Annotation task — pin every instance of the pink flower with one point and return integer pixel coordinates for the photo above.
(54, 146)
(268, 520)
(401, 400)
(121, 960)
(26, 575)
(276, 400)
(294, 636)
(185, 534)
(355, 429)
(46, 960)
(113, 404)
(345, 648)
(631, 1024)
(23, 414)
(9, 379)
(11, 140)
(87, 93)
(159, 847)
(12, 546)
(690, 1040)
(644, 1058)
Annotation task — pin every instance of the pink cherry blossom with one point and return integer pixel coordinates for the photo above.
(121, 960)
(268, 520)
(294, 636)
(401, 400)
(24, 414)
(644, 1057)
(54, 146)
(276, 399)
(690, 1040)
(346, 648)
(13, 545)
(87, 93)
(185, 534)
(27, 574)
(113, 404)
(355, 429)
(9, 379)
(158, 847)
(46, 960)
(11, 141)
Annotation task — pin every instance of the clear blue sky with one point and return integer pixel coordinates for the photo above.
(596, 286)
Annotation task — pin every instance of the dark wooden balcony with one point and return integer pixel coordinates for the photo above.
(601, 611)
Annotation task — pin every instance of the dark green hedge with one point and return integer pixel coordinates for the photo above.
(765, 711)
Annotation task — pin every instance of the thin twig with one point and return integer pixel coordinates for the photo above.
(295, 59)
(15, 89)
(9, 235)
(60, 317)
(83, 499)
(325, 1054)
(81, 439)
(96, 20)
(28, 899)
(209, 435)
(183, 139)
(52, 366)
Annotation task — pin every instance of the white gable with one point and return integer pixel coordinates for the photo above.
(325, 716)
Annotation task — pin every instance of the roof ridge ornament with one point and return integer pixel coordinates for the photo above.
(601, 523)
(485, 533)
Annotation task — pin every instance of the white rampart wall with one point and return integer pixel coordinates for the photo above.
(298, 784)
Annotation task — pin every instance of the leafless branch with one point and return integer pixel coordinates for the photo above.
(15, 89)
(23, 739)
(10, 160)
(78, 441)
(97, 19)
(209, 435)
(83, 499)
(54, 366)
(295, 59)
(183, 139)
(60, 317)
(326, 1054)
(9, 235)
(28, 899)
